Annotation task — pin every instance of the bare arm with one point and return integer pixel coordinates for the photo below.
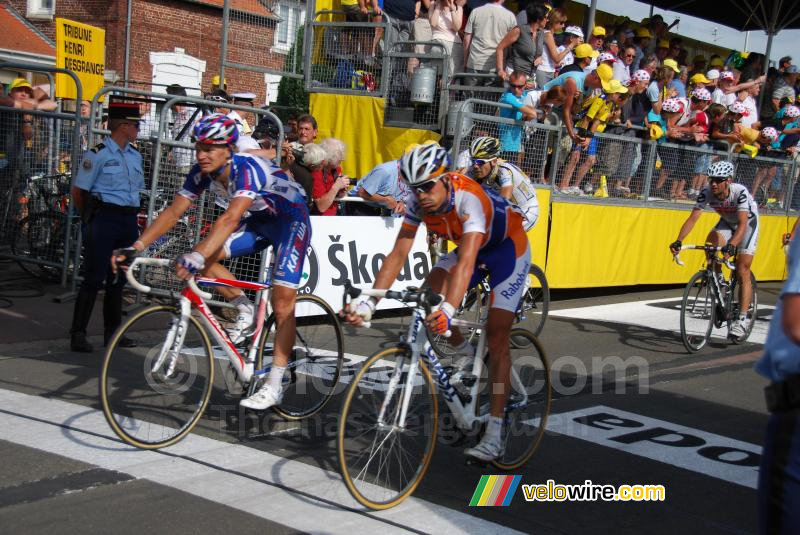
(386, 200)
(79, 197)
(511, 37)
(467, 43)
(394, 262)
(555, 55)
(505, 191)
(689, 224)
(164, 222)
(223, 227)
(325, 202)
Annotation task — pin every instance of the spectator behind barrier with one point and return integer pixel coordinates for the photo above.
(382, 186)
(486, 27)
(552, 55)
(573, 36)
(511, 135)
(446, 18)
(525, 45)
(306, 133)
(329, 183)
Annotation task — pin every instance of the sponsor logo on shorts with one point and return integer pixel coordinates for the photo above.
(515, 286)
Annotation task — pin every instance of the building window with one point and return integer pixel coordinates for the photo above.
(41, 9)
(291, 15)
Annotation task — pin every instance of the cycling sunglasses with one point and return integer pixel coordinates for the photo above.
(426, 187)
(718, 179)
(481, 161)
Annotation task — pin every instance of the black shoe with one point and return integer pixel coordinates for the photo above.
(124, 341)
(80, 344)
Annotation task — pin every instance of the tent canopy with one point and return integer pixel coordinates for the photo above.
(771, 16)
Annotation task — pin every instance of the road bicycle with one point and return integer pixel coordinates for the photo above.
(711, 300)
(39, 236)
(531, 314)
(154, 395)
(390, 415)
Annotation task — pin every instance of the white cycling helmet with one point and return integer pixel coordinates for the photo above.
(720, 169)
(423, 164)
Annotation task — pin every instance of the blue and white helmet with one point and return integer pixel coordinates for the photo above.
(423, 163)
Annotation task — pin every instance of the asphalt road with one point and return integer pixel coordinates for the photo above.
(692, 423)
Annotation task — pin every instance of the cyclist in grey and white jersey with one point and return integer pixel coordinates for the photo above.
(737, 230)
(504, 177)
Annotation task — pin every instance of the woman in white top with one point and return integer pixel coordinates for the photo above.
(551, 57)
(446, 17)
(574, 37)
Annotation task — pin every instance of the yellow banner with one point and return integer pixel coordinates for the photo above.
(82, 49)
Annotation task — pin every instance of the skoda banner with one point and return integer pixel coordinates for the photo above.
(353, 248)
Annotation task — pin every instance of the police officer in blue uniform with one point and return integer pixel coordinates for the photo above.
(779, 477)
(106, 195)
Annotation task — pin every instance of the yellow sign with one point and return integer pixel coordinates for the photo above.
(82, 49)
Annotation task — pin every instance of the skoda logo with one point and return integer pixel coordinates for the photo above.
(310, 276)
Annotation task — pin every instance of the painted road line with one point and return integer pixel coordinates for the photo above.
(289, 492)
(662, 314)
(680, 446)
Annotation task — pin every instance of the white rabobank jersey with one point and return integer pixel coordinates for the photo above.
(523, 194)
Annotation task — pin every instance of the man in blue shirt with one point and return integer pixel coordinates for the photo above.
(106, 195)
(511, 135)
(382, 185)
(779, 476)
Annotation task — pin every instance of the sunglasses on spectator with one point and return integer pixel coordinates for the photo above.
(481, 161)
(426, 187)
(516, 86)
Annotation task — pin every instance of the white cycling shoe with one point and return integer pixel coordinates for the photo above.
(263, 399)
(239, 330)
(488, 449)
(739, 328)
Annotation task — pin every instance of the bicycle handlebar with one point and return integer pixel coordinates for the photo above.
(707, 248)
(158, 262)
(425, 296)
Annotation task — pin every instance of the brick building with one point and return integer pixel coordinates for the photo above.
(176, 41)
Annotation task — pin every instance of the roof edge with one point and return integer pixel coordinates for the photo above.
(16, 14)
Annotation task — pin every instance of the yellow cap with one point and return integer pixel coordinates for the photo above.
(215, 81)
(20, 82)
(613, 86)
(699, 78)
(585, 50)
(672, 64)
(656, 132)
(663, 44)
(643, 32)
(599, 31)
(717, 62)
(605, 72)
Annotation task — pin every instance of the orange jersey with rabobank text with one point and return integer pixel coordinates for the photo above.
(470, 208)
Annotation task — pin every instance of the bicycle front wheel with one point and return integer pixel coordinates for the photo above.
(528, 404)
(315, 362)
(383, 458)
(697, 312)
(150, 408)
(535, 303)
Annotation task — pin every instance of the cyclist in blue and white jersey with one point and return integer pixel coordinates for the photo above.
(262, 207)
(737, 230)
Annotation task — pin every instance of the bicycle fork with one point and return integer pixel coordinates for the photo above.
(174, 341)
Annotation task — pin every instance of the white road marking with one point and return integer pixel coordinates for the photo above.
(207, 468)
(655, 315)
(684, 447)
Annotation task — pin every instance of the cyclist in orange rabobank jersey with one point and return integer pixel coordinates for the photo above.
(488, 232)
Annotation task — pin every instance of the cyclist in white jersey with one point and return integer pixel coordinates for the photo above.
(504, 177)
(737, 230)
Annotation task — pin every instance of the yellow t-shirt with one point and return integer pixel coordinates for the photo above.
(598, 109)
(349, 2)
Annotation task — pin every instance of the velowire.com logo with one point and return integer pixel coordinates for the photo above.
(495, 490)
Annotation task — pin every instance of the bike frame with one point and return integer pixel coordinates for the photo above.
(193, 297)
(463, 410)
(715, 277)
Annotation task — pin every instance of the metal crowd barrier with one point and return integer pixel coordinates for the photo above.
(623, 169)
(37, 227)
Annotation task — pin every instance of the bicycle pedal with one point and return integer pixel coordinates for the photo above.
(468, 379)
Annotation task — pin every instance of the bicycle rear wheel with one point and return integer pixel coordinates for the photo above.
(698, 309)
(528, 405)
(752, 311)
(316, 360)
(149, 409)
(382, 462)
(535, 304)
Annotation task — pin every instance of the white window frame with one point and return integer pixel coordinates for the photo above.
(36, 10)
(297, 16)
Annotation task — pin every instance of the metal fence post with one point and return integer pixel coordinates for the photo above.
(651, 167)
